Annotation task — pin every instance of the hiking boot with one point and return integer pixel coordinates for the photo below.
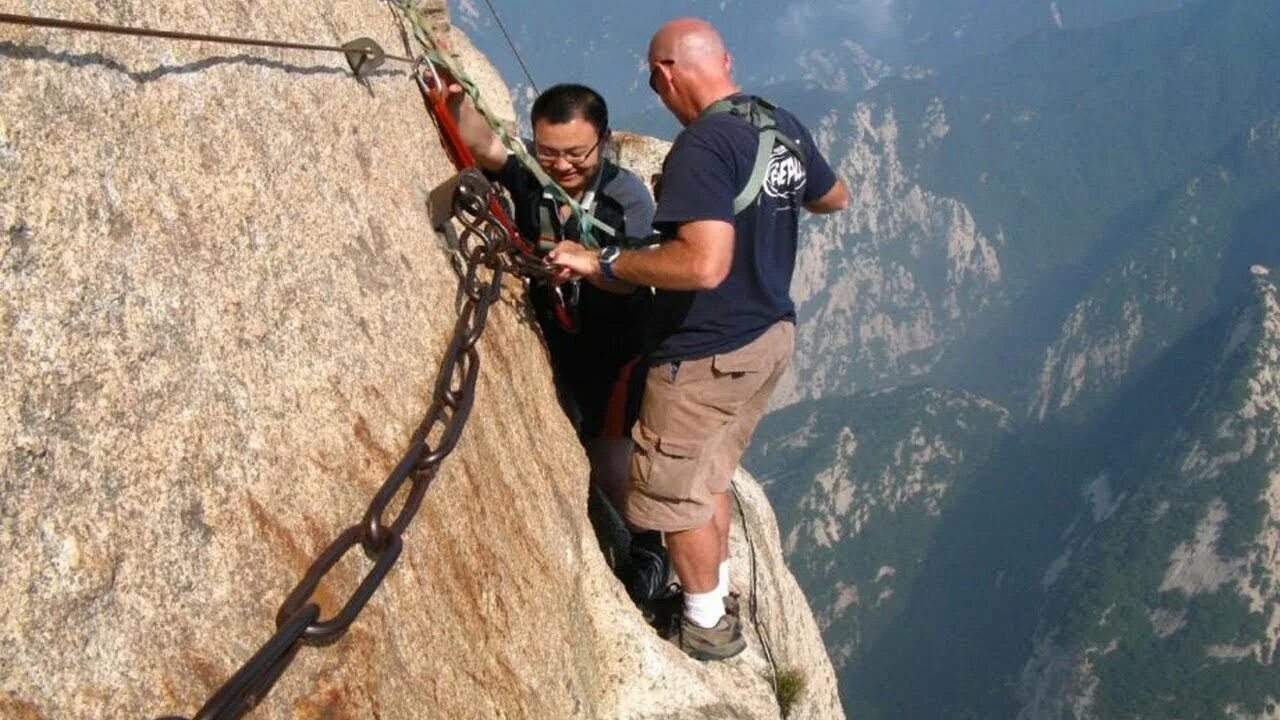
(715, 643)
(663, 613)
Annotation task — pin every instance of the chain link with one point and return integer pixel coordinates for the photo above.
(487, 254)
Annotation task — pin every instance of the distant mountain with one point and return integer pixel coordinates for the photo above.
(883, 289)
(1068, 147)
(1189, 261)
(962, 566)
(990, 197)
(1165, 600)
(942, 32)
(859, 485)
(1070, 510)
(1002, 156)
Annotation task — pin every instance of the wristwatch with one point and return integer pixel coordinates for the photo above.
(607, 256)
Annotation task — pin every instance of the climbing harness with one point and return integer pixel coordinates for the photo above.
(442, 67)
(760, 113)
(565, 296)
(434, 80)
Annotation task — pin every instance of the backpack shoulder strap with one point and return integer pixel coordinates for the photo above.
(758, 112)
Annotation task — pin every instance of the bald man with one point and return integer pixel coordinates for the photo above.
(724, 328)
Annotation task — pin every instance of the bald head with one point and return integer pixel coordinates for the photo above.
(697, 63)
(688, 41)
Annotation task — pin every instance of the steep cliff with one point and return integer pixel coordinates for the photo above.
(223, 314)
(1164, 600)
(863, 486)
(1220, 219)
(961, 564)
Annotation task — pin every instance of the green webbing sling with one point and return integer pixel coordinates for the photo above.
(758, 112)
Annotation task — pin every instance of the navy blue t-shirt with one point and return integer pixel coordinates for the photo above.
(707, 167)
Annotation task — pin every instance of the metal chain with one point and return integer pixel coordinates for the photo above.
(485, 248)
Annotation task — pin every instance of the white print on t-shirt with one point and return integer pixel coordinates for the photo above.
(785, 177)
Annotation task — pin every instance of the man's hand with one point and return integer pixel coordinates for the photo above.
(453, 92)
(576, 260)
(453, 98)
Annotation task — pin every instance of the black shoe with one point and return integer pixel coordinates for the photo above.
(645, 573)
(663, 613)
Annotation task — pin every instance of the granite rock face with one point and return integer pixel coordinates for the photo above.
(223, 312)
(641, 154)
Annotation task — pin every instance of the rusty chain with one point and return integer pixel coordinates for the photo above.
(486, 251)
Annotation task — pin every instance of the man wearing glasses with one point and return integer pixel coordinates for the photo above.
(592, 364)
(730, 200)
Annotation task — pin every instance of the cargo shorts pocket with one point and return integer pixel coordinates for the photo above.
(665, 467)
(753, 357)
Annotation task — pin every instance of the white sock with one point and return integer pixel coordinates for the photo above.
(704, 609)
(723, 586)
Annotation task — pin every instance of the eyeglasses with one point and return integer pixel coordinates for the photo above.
(653, 74)
(573, 156)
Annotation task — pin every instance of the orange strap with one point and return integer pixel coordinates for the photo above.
(615, 414)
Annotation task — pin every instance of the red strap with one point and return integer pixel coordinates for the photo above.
(460, 154)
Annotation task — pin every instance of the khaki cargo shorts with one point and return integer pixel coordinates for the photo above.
(695, 422)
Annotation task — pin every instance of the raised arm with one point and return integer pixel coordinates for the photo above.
(490, 153)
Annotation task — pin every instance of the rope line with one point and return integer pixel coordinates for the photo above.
(761, 630)
(512, 44)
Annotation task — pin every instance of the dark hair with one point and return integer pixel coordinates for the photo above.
(562, 103)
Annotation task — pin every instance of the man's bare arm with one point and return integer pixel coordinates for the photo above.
(698, 258)
(490, 153)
